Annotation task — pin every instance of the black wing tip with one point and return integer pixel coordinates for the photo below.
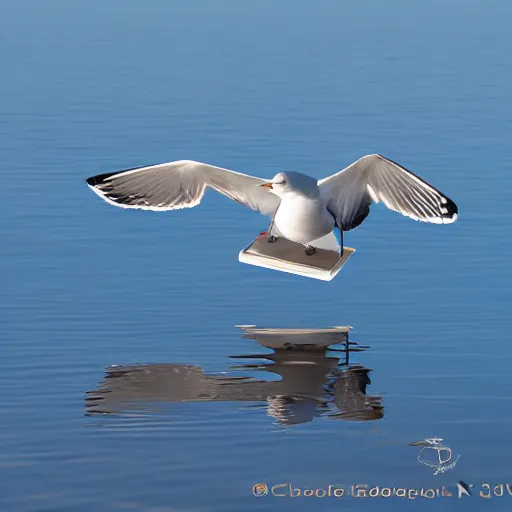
(452, 207)
(94, 181)
(453, 210)
(91, 181)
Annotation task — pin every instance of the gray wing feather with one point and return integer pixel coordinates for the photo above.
(180, 184)
(374, 179)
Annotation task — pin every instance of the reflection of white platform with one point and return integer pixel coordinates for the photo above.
(291, 257)
(281, 339)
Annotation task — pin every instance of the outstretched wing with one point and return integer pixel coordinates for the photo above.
(374, 178)
(180, 184)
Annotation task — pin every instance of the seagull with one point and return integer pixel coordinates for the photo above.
(302, 209)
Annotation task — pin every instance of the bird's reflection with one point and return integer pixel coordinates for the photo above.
(314, 380)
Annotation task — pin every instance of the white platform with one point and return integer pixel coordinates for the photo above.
(287, 256)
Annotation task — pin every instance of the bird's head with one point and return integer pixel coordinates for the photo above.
(285, 182)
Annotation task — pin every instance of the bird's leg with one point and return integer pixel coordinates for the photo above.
(337, 224)
(310, 250)
(270, 237)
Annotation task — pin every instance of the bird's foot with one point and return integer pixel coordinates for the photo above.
(310, 250)
(271, 239)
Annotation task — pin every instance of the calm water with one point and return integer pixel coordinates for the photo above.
(257, 87)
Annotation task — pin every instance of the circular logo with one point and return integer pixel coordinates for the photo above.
(260, 490)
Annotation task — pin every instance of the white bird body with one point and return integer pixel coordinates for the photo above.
(303, 219)
(302, 208)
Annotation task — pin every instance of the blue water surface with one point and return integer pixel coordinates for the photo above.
(257, 87)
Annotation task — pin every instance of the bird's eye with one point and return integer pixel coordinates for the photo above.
(280, 182)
